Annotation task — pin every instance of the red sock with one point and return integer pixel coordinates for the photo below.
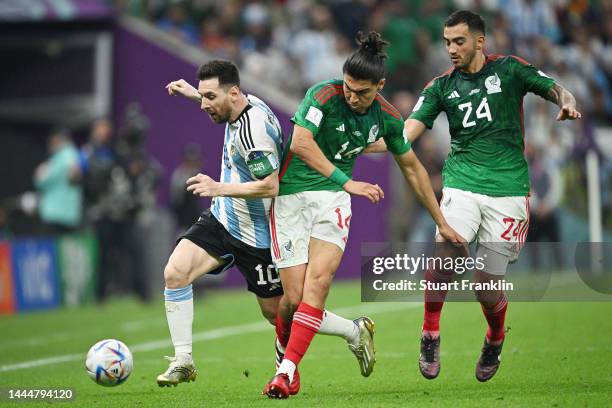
(434, 300)
(306, 323)
(283, 329)
(496, 317)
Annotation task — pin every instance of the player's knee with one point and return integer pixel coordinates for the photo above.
(269, 314)
(292, 299)
(321, 281)
(287, 307)
(317, 289)
(175, 277)
(292, 305)
(487, 298)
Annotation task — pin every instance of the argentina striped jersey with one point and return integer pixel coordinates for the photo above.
(256, 130)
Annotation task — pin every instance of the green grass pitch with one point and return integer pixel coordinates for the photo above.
(556, 355)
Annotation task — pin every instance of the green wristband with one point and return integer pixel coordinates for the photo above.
(339, 177)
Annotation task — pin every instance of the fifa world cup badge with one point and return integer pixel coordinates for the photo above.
(493, 84)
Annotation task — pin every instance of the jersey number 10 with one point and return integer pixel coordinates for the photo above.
(271, 271)
(482, 111)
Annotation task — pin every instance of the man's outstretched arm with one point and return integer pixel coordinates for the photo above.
(417, 177)
(184, 88)
(304, 146)
(566, 101)
(412, 130)
(204, 186)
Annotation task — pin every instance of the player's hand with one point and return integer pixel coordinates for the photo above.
(182, 87)
(371, 191)
(568, 112)
(203, 186)
(452, 236)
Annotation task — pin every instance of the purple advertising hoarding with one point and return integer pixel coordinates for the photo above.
(142, 69)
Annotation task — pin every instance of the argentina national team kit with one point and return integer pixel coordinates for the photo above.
(236, 229)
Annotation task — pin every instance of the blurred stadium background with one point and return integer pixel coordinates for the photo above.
(82, 100)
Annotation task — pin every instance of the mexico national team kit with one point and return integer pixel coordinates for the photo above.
(236, 229)
(486, 180)
(309, 204)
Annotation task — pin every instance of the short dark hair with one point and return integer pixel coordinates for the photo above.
(368, 61)
(225, 71)
(474, 22)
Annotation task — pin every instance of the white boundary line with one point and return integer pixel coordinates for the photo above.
(214, 334)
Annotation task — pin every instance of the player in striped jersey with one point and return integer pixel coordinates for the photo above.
(235, 231)
(310, 219)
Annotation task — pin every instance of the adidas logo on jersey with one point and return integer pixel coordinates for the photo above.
(453, 95)
(340, 128)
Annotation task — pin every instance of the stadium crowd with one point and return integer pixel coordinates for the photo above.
(300, 42)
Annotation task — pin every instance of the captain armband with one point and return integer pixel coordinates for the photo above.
(261, 164)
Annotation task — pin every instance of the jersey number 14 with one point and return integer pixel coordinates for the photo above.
(482, 111)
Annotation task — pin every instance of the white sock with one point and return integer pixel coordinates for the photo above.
(335, 325)
(179, 312)
(287, 367)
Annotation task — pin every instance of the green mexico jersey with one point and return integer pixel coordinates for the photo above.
(340, 133)
(485, 116)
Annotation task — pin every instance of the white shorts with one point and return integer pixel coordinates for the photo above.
(295, 218)
(499, 224)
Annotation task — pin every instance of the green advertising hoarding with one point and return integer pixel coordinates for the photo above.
(78, 260)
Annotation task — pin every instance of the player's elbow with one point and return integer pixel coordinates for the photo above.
(299, 144)
(296, 147)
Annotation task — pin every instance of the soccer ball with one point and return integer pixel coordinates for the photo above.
(109, 362)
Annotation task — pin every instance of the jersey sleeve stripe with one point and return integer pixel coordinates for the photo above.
(320, 96)
(249, 135)
(328, 96)
(323, 91)
(243, 140)
(445, 73)
(521, 60)
(330, 90)
(495, 57)
(387, 107)
(395, 114)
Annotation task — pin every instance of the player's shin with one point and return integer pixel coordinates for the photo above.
(282, 326)
(179, 313)
(306, 323)
(334, 325)
(495, 313)
(434, 300)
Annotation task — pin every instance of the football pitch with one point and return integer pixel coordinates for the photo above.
(556, 354)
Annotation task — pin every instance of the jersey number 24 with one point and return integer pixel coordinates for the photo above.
(482, 111)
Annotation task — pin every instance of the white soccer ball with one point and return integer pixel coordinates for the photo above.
(109, 362)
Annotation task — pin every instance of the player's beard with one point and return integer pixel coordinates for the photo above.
(467, 60)
(221, 115)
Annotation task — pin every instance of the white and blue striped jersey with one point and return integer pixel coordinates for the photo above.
(256, 130)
